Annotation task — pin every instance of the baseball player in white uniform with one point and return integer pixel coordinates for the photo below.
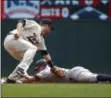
(76, 74)
(23, 43)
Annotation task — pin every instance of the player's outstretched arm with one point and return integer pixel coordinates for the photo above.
(28, 79)
(51, 64)
(47, 57)
(32, 79)
(49, 61)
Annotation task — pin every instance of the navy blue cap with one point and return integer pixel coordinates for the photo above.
(48, 22)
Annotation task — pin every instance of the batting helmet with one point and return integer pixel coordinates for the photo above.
(39, 63)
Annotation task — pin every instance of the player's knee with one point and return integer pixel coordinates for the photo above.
(33, 50)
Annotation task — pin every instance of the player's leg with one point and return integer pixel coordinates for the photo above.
(87, 77)
(25, 47)
(81, 74)
(75, 74)
(92, 77)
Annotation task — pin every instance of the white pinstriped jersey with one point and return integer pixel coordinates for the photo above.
(32, 32)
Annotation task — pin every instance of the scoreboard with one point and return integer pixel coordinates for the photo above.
(76, 9)
(59, 9)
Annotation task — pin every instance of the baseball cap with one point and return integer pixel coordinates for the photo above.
(48, 22)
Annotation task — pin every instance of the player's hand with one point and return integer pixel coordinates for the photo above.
(58, 72)
(16, 36)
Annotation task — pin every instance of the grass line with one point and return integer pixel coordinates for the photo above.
(56, 90)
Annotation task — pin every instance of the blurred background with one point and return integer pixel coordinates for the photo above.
(82, 34)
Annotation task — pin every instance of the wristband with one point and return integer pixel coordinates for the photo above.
(50, 63)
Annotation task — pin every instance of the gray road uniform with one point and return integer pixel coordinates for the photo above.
(29, 42)
(76, 74)
(81, 74)
(47, 75)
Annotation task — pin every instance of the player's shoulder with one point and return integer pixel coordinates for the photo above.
(44, 72)
(31, 21)
(47, 70)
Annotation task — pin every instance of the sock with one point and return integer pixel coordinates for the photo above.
(103, 77)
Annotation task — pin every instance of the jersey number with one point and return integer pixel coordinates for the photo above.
(33, 39)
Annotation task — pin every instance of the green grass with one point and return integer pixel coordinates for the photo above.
(56, 90)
